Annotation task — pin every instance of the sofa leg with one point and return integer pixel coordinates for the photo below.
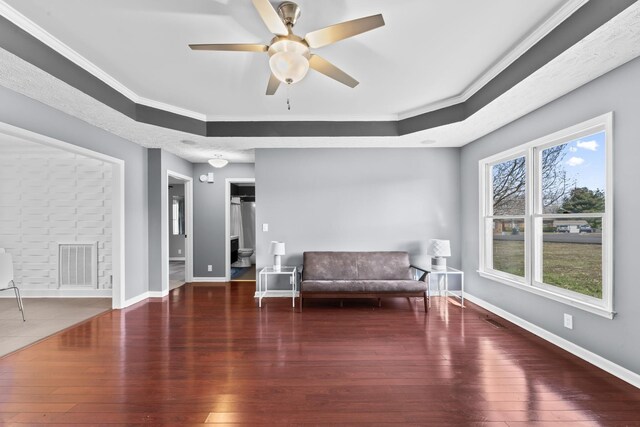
(341, 303)
(379, 302)
(426, 303)
(300, 302)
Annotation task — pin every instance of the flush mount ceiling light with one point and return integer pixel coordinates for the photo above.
(218, 161)
(290, 56)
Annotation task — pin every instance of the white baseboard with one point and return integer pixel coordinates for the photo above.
(60, 293)
(208, 279)
(177, 258)
(143, 296)
(157, 294)
(596, 360)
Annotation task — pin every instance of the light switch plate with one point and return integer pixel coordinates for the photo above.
(265, 227)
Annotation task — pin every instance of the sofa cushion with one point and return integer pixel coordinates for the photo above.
(372, 286)
(356, 266)
(330, 266)
(383, 266)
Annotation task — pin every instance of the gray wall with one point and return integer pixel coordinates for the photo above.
(209, 216)
(357, 199)
(24, 112)
(155, 208)
(159, 163)
(619, 339)
(176, 242)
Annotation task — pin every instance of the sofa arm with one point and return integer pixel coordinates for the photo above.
(425, 272)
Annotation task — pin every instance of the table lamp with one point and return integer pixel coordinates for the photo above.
(439, 249)
(277, 249)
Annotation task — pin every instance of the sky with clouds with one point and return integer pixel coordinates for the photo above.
(585, 161)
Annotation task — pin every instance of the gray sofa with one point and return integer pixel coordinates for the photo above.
(361, 275)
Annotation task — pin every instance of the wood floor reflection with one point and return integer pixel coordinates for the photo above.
(207, 354)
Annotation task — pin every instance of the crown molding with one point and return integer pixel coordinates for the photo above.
(576, 28)
(523, 46)
(48, 39)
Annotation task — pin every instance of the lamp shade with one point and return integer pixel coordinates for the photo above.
(277, 248)
(289, 60)
(438, 248)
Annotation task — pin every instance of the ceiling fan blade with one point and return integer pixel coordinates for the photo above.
(325, 67)
(270, 17)
(231, 47)
(273, 85)
(344, 30)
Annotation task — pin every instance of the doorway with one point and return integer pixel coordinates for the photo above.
(102, 235)
(178, 231)
(240, 226)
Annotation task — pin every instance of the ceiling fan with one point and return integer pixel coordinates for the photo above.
(290, 56)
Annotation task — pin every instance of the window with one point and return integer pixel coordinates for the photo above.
(177, 215)
(546, 211)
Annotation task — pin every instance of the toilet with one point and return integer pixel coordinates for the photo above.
(244, 257)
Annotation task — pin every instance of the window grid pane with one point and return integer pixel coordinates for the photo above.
(508, 189)
(571, 254)
(508, 246)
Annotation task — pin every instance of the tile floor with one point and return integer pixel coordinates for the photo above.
(176, 274)
(245, 275)
(44, 316)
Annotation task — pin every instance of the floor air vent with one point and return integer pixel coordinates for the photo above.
(78, 265)
(494, 323)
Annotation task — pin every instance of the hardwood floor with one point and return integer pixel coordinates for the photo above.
(207, 354)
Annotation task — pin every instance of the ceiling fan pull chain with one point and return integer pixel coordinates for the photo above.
(288, 97)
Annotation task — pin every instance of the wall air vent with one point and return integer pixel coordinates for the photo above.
(78, 265)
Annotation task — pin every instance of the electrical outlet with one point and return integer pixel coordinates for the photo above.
(568, 321)
(209, 267)
(179, 251)
(265, 227)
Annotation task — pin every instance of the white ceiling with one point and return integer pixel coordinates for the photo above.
(427, 53)
(613, 44)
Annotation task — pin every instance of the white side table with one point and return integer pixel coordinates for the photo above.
(443, 279)
(263, 278)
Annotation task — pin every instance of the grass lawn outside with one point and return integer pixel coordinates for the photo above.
(573, 266)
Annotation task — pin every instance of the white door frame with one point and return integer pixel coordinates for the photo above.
(188, 243)
(118, 220)
(227, 221)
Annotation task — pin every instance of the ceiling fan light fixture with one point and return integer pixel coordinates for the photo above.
(218, 162)
(289, 54)
(289, 60)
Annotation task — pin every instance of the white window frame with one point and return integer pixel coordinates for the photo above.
(533, 212)
(175, 217)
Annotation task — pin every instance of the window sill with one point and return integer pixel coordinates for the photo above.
(600, 311)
